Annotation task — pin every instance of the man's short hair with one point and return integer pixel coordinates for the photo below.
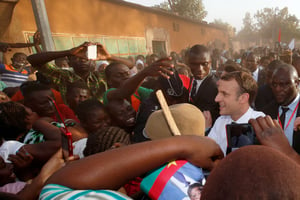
(109, 70)
(29, 87)
(245, 81)
(197, 49)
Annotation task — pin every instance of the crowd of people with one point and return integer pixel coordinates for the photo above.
(120, 133)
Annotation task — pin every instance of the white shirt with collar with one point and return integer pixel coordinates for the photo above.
(199, 82)
(255, 74)
(289, 128)
(218, 131)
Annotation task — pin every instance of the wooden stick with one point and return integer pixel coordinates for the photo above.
(165, 108)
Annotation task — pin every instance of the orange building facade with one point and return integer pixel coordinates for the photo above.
(124, 28)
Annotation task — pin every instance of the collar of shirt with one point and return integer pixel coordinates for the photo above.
(288, 130)
(255, 74)
(245, 117)
(199, 82)
(292, 105)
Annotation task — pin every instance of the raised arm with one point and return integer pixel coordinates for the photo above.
(102, 54)
(113, 168)
(6, 46)
(160, 67)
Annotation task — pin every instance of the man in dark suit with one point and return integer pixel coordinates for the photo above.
(258, 74)
(264, 93)
(203, 88)
(285, 107)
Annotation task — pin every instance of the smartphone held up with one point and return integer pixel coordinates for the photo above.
(92, 52)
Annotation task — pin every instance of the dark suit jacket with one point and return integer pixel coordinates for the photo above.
(264, 97)
(261, 80)
(272, 110)
(205, 97)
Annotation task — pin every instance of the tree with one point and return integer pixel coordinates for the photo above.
(193, 9)
(270, 21)
(248, 32)
(266, 25)
(222, 24)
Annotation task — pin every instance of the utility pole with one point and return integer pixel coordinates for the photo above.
(41, 19)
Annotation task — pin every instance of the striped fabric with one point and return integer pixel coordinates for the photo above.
(59, 192)
(11, 76)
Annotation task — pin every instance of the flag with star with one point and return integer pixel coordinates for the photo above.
(171, 181)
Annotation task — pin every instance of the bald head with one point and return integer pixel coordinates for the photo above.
(290, 69)
(284, 84)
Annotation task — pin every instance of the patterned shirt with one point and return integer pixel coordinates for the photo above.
(54, 191)
(11, 76)
(61, 78)
(35, 137)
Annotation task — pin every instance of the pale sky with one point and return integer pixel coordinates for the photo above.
(233, 11)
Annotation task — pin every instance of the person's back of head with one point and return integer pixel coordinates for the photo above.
(105, 139)
(254, 172)
(12, 120)
(271, 68)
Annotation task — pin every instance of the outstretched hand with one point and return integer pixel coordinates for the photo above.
(159, 68)
(22, 159)
(81, 50)
(102, 53)
(269, 133)
(55, 163)
(205, 152)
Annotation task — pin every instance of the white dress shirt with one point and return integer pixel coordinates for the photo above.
(255, 74)
(289, 128)
(218, 131)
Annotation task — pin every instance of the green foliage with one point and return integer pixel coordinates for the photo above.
(267, 23)
(193, 9)
(222, 24)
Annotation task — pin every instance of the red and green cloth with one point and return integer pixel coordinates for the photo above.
(171, 181)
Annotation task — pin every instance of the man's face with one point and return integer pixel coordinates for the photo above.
(251, 63)
(228, 97)
(123, 114)
(76, 96)
(118, 76)
(39, 102)
(200, 65)
(195, 194)
(284, 87)
(96, 120)
(19, 60)
(82, 65)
